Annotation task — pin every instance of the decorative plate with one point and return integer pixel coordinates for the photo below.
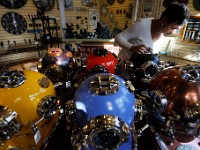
(68, 4)
(104, 10)
(110, 2)
(14, 23)
(45, 5)
(13, 4)
(89, 3)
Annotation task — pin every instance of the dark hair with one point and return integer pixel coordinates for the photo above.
(176, 13)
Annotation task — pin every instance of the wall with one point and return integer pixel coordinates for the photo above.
(10, 52)
(28, 9)
(117, 12)
(81, 16)
(78, 15)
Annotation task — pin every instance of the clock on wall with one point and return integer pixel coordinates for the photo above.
(13, 4)
(13, 23)
(44, 5)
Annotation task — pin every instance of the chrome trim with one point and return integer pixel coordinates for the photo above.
(70, 111)
(129, 68)
(76, 139)
(128, 65)
(10, 123)
(106, 126)
(39, 65)
(130, 86)
(11, 79)
(190, 73)
(157, 100)
(192, 112)
(46, 140)
(47, 107)
(104, 84)
(160, 142)
(139, 112)
(147, 67)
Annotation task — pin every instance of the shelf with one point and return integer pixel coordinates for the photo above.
(178, 59)
(189, 42)
(89, 40)
(192, 30)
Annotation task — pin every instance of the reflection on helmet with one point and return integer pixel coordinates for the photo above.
(145, 65)
(25, 88)
(58, 65)
(180, 120)
(141, 68)
(104, 110)
(27, 103)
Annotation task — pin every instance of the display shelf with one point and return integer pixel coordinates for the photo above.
(88, 40)
(49, 28)
(192, 30)
(177, 60)
(14, 54)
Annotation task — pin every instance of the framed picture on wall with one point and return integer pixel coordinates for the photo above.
(148, 6)
(94, 16)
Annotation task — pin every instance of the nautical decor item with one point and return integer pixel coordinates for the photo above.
(58, 65)
(175, 121)
(13, 4)
(14, 23)
(101, 60)
(104, 108)
(44, 5)
(141, 68)
(28, 109)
